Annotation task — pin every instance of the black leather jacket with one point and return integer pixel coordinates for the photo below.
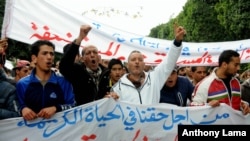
(84, 87)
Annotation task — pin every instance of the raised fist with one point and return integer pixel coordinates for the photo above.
(179, 32)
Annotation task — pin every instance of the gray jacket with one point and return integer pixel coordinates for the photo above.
(245, 91)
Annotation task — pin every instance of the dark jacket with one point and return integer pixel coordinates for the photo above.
(84, 86)
(105, 85)
(245, 91)
(8, 98)
(179, 94)
(56, 92)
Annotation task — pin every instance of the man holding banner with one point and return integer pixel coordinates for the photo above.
(43, 93)
(141, 87)
(221, 86)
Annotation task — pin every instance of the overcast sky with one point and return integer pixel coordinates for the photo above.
(135, 16)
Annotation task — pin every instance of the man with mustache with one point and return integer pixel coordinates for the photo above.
(198, 73)
(43, 93)
(87, 76)
(140, 87)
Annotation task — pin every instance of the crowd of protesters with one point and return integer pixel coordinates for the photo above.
(38, 88)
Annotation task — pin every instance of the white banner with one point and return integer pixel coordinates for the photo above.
(108, 120)
(59, 21)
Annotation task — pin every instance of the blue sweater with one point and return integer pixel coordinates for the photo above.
(56, 92)
(178, 94)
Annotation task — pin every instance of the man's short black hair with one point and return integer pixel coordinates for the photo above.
(226, 56)
(113, 62)
(35, 47)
